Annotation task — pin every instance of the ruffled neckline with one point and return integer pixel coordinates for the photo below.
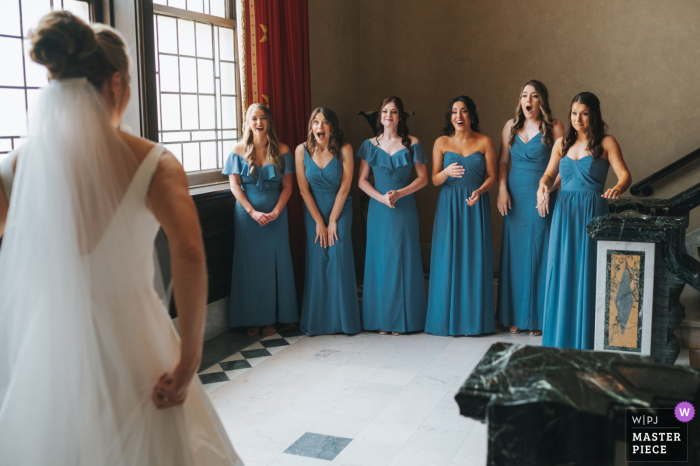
(263, 175)
(378, 157)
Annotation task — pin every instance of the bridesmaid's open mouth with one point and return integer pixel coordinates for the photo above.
(320, 136)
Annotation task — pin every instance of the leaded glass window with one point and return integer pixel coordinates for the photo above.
(197, 82)
(20, 77)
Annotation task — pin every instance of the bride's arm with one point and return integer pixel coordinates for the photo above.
(173, 207)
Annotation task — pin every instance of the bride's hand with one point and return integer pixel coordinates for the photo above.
(171, 389)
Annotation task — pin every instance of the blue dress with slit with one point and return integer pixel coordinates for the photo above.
(523, 267)
(461, 262)
(569, 309)
(330, 291)
(262, 283)
(393, 297)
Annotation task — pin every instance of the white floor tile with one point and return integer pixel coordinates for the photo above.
(410, 456)
(354, 372)
(366, 453)
(235, 357)
(376, 391)
(476, 444)
(340, 426)
(293, 460)
(392, 377)
(438, 439)
(404, 414)
(214, 368)
(256, 345)
(255, 361)
(210, 387)
(360, 408)
(388, 432)
(276, 349)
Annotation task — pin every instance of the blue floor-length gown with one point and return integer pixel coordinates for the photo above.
(330, 290)
(460, 301)
(523, 268)
(262, 284)
(393, 297)
(569, 310)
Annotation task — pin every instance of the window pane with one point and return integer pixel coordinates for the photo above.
(9, 19)
(170, 111)
(79, 9)
(230, 134)
(37, 75)
(32, 11)
(204, 40)
(195, 5)
(160, 2)
(228, 112)
(167, 34)
(5, 146)
(205, 70)
(226, 44)
(190, 156)
(179, 136)
(208, 155)
(176, 149)
(218, 8)
(12, 70)
(178, 4)
(203, 135)
(188, 74)
(13, 117)
(169, 75)
(206, 112)
(228, 78)
(190, 112)
(186, 37)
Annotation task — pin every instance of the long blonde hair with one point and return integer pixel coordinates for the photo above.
(273, 155)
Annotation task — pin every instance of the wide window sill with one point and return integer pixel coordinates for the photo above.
(214, 188)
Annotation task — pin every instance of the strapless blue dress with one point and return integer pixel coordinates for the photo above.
(569, 309)
(460, 301)
(262, 285)
(330, 291)
(523, 270)
(393, 297)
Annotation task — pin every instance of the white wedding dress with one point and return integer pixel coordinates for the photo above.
(83, 335)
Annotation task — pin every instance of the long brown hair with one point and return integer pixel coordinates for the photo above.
(273, 152)
(546, 118)
(597, 126)
(337, 137)
(402, 129)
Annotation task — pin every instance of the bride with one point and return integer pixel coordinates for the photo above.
(91, 369)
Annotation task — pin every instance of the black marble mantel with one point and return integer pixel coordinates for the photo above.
(551, 406)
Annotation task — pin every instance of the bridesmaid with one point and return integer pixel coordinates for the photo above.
(393, 298)
(582, 157)
(461, 262)
(260, 170)
(527, 140)
(324, 167)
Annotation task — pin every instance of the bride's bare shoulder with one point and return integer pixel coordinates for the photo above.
(139, 146)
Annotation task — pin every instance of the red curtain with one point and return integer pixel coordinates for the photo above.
(278, 76)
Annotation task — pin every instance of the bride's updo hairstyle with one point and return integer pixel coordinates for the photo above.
(69, 48)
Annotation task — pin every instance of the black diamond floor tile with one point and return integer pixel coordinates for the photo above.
(292, 332)
(213, 377)
(233, 365)
(274, 343)
(324, 447)
(256, 353)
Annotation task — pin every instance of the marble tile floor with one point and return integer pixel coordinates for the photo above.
(366, 399)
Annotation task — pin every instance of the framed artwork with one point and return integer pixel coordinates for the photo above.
(624, 297)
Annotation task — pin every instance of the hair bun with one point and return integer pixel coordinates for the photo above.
(62, 43)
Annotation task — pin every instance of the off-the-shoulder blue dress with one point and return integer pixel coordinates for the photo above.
(461, 262)
(523, 270)
(569, 307)
(262, 284)
(393, 297)
(330, 290)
